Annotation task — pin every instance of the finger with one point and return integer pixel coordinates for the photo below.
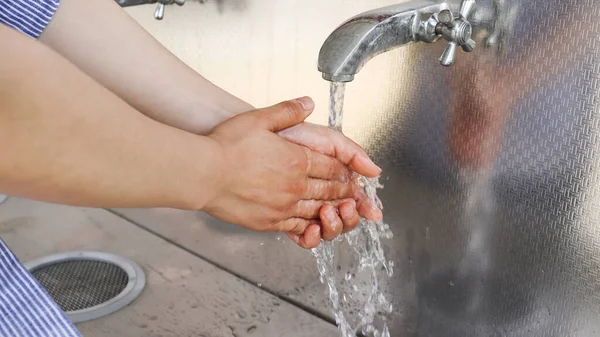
(293, 225)
(366, 208)
(310, 239)
(321, 166)
(311, 209)
(331, 224)
(331, 143)
(328, 189)
(349, 216)
(286, 114)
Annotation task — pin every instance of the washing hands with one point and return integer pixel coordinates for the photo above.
(303, 186)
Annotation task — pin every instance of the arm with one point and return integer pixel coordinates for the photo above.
(127, 60)
(68, 140)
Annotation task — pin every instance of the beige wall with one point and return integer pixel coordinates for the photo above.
(265, 51)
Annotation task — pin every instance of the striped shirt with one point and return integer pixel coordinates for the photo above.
(26, 309)
(28, 16)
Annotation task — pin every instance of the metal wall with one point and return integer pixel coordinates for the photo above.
(491, 167)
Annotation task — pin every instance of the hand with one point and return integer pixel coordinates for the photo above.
(345, 218)
(268, 183)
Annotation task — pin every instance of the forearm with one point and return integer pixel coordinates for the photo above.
(68, 140)
(122, 56)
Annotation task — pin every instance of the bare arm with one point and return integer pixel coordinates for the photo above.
(69, 140)
(66, 139)
(122, 56)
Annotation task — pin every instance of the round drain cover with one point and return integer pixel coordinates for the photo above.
(88, 285)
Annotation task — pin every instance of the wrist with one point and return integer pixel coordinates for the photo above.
(207, 177)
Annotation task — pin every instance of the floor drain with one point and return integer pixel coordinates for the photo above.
(88, 285)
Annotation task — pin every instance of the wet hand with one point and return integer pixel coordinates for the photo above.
(334, 144)
(344, 218)
(268, 183)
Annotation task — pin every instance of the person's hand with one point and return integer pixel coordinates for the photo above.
(270, 184)
(335, 221)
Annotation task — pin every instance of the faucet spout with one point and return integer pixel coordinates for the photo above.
(369, 34)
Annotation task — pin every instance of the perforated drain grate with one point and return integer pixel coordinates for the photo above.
(88, 285)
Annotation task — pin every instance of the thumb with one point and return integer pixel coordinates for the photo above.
(286, 114)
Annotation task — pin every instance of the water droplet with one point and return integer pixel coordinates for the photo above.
(348, 276)
(252, 329)
(262, 243)
(143, 325)
(451, 283)
(259, 285)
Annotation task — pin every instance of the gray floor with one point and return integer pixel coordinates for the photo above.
(185, 295)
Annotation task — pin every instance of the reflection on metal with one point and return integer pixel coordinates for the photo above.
(369, 34)
(491, 167)
(89, 285)
(3, 198)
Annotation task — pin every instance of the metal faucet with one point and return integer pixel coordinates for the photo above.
(369, 34)
(159, 13)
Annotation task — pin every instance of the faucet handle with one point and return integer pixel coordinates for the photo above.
(456, 30)
(159, 13)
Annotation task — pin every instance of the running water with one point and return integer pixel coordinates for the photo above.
(368, 252)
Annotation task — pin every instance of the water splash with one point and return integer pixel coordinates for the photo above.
(366, 246)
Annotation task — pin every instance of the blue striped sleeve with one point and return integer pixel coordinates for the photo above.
(26, 309)
(28, 16)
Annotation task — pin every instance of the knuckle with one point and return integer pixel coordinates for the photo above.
(291, 108)
(306, 164)
(297, 227)
(297, 189)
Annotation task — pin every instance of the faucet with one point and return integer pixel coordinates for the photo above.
(369, 34)
(159, 13)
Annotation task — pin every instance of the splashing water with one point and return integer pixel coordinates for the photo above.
(366, 246)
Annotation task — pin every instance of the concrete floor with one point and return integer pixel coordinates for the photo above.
(185, 295)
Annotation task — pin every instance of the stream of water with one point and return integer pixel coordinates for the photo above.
(365, 243)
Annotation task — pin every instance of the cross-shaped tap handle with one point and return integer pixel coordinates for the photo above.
(456, 30)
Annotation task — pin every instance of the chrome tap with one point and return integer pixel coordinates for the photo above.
(159, 13)
(369, 34)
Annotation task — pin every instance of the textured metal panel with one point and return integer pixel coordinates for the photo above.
(491, 167)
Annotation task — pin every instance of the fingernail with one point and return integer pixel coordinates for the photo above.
(307, 103)
(378, 214)
(330, 214)
(347, 212)
(369, 162)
